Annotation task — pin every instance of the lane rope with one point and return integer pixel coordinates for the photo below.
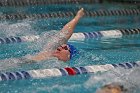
(68, 71)
(44, 2)
(97, 13)
(136, 2)
(75, 36)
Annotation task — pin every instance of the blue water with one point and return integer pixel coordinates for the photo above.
(92, 51)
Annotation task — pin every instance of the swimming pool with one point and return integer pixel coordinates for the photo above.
(96, 51)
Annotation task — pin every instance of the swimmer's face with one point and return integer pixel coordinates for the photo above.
(62, 53)
(109, 89)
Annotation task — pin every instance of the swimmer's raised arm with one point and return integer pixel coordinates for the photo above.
(66, 32)
(68, 29)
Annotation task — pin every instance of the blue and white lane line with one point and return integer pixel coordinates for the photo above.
(75, 36)
(68, 71)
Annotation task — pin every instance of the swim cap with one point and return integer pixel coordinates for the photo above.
(73, 51)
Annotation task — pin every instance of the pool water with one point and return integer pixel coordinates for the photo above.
(91, 51)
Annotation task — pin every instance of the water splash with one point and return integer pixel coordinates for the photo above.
(16, 29)
(127, 77)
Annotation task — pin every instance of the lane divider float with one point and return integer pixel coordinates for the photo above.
(118, 12)
(136, 2)
(44, 2)
(75, 36)
(68, 71)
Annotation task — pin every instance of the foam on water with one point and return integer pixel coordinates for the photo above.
(16, 29)
(129, 78)
(60, 88)
(6, 64)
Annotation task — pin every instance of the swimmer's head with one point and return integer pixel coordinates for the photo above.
(73, 50)
(65, 52)
(112, 88)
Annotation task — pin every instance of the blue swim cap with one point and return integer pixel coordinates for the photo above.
(73, 51)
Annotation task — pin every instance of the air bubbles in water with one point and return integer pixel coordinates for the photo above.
(16, 29)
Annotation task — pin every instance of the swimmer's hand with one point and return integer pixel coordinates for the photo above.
(80, 13)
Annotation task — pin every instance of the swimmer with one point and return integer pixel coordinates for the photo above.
(112, 88)
(61, 49)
